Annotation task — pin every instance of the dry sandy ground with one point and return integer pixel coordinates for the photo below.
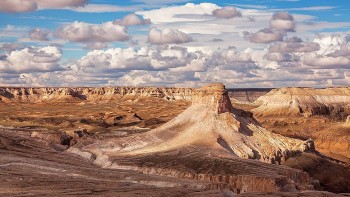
(30, 167)
(39, 167)
(94, 117)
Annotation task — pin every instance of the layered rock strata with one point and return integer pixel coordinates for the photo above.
(217, 132)
(90, 94)
(247, 95)
(334, 102)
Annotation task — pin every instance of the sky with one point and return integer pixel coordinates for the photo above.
(181, 43)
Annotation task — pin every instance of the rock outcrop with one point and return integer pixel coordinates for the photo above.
(333, 102)
(247, 95)
(212, 122)
(104, 94)
(213, 130)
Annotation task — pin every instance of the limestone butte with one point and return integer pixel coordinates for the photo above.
(305, 102)
(308, 112)
(211, 121)
(209, 129)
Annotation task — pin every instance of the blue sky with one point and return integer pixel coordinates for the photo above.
(244, 43)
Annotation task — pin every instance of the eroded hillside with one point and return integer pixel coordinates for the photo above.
(190, 136)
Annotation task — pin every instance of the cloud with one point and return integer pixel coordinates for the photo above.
(329, 43)
(312, 8)
(8, 47)
(167, 36)
(294, 45)
(115, 59)
(265, 36)
(227, 12)
(132, 19)
(60, 4)
(232, 56)
(282, 21)
(32, 5)
(17, 6)
(326, 62)
(278, 57)
(196, 18)
(43, 59)
(175, 59)
(252, 62)
(343, 51)
(85, 32)
(10, 31)
(174, 14)
(39, 35)
(250, 6)
(96, 45)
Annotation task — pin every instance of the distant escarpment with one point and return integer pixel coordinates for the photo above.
(96, 94)
(248, 95)
(105, 94)
(332, 102)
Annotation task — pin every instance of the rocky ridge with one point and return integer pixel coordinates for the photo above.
(333, 102)
(105, 94)
(247, 95)
(90, 94)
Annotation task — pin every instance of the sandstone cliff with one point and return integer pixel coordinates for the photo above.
(333, 102)
(247, 95)
(105, 94)
(90, 94)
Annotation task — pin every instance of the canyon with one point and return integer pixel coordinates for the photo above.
(208, 141)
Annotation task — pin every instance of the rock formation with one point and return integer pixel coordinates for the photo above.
(210, 132)
(247, 95)
(334, 102)
(211, 122)
(105, 94)
(90, 94)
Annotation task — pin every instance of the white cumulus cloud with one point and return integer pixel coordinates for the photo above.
(282, 21)
(43, 59)
(32, 5)
(132, 19)
(227, 12)
(85, 32)
(167, 36)
(266, 36)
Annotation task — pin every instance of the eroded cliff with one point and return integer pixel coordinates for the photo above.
(333, 102)
(209, 133)
(103, 94)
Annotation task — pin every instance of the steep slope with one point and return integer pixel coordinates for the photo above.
(211, 121)
(309, 113)
(247, 95)
(212, 133)
(334, 141)
(334, 102)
